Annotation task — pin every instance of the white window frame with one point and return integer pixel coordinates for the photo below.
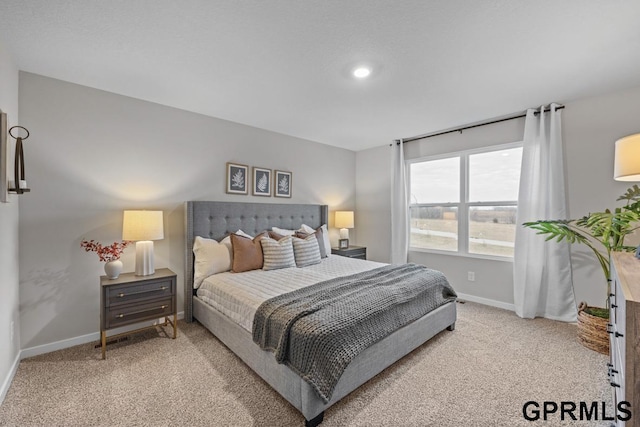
(464, 205)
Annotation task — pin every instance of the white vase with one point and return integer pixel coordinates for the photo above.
(113, 269)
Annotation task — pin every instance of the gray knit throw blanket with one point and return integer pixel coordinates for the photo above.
(317, 330)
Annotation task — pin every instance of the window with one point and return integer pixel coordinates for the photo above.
(466, 202)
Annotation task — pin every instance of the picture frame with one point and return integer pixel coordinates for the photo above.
(282, 184)
(237, 178)
(343, 243)
(261, 182)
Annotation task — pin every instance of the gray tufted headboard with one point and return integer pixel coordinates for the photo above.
(214, 220)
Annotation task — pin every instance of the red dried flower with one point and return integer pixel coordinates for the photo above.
(108, 253)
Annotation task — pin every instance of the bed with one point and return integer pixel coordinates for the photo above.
(215, 220)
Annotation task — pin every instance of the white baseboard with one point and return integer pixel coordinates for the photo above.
(486, 301)
(83, 339)
(59, 345)
(7, 381)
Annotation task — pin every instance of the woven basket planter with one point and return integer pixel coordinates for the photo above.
(592, 330)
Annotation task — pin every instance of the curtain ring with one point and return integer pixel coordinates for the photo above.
(19, 127)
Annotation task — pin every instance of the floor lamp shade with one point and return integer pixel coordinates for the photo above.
(143, 227)
(344, 221)
(627, 159)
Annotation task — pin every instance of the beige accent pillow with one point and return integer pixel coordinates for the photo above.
(247, 253)
(211, 258)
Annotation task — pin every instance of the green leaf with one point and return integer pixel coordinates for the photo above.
(602, 232)
(632, 194)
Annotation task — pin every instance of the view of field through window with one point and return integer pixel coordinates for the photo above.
(434, 228)
(489, 211)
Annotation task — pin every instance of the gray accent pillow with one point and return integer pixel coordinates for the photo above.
(319, 236)
(277, 253)
(306, 251)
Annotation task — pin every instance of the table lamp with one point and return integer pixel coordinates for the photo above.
(143, 227)
(344, 221)
(627, 159)
(626, 166)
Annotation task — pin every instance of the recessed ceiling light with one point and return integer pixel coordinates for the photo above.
(361, 72)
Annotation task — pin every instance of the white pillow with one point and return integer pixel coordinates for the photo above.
(282, 231)
(307, 229)
(239, 233)
(227, 240)
(211, 258)
(325, 236)
(277, 253)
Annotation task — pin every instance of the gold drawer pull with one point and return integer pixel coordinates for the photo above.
(162, 288)
(121, 315)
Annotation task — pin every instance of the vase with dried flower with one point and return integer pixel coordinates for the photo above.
(110, 254)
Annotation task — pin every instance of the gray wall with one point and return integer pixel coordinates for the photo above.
(95, 154)
(9, 316)
(590, 127)
(373, 199)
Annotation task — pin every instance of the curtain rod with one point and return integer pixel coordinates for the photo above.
(475, 125)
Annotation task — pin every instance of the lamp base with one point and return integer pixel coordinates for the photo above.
(344, 233)
(144, 258)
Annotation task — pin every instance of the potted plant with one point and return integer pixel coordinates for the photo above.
(603, 233)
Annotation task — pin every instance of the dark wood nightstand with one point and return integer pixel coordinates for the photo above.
(133, 299)
(359, 252)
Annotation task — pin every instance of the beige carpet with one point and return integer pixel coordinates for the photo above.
(479, 375)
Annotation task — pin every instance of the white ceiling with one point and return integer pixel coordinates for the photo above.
(284, 65)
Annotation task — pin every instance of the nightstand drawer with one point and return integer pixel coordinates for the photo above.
(358, 252)
(124, 314)
(132, 299)
(126, 293)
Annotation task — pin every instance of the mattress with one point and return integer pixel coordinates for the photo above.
(238, 295)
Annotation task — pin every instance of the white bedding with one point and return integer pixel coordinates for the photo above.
(238, 295)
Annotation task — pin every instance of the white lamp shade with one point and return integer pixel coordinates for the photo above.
(142, 225)
(627, 159)
(344, 219)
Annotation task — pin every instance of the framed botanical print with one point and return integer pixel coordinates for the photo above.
(282, 184)
(261, 182)
(237, 179)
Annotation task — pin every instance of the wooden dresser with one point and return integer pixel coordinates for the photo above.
(624, 330)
